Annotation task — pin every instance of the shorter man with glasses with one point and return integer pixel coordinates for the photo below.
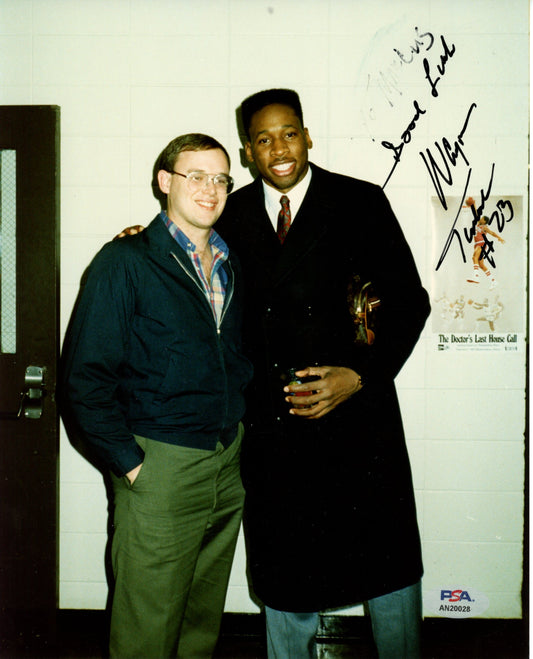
(154, 378)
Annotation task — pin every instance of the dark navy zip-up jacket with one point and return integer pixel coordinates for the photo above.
(144, 354)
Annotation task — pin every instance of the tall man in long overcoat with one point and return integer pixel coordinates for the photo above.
(330, 516)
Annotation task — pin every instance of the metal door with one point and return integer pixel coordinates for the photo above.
(29, 348)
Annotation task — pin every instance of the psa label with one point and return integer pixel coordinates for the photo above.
(456, 602)
(453, 596)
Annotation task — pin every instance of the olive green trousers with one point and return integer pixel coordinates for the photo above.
(175, 533)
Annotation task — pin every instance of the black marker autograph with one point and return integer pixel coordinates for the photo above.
(454, 233)
(449, 155)
(406, 135)
(406, 138)
(448, 53)
(498, 215)
(443, 172)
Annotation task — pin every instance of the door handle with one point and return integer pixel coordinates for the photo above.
(31, 396)
(33, 393)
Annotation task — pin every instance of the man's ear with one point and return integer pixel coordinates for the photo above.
(308, 139)
(248, 151)
(163, 178)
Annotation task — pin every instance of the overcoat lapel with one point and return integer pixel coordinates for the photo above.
(261, 240)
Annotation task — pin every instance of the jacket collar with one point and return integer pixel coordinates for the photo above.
(159, 238)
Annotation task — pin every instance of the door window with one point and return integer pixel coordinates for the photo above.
(8, 255)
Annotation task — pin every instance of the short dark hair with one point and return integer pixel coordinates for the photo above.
(258, 101)
(188, 142)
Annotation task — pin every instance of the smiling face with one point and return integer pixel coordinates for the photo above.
(279, 146)
(194, 211)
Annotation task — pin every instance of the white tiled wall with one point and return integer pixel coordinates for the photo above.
(129, 75)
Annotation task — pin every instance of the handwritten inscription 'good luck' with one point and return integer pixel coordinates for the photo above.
(433, 79)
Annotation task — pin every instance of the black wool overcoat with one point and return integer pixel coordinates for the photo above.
(330, 516)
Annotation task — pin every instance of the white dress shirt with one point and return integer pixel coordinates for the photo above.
(296, 196)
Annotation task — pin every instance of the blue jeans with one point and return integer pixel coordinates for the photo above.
(396, 620)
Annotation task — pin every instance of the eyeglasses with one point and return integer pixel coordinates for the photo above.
(196, 180)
